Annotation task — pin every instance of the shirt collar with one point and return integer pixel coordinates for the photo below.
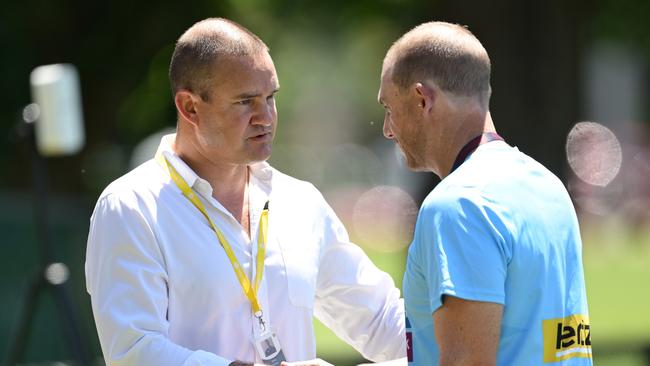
(165, 148)
(262, 171)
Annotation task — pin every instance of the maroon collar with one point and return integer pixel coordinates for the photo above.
(473, 145)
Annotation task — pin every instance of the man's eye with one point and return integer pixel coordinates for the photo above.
(245, 101)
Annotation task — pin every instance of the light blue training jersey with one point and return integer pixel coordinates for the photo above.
(501, 228)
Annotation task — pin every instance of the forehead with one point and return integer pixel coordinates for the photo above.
(386, 87)
(236, 74)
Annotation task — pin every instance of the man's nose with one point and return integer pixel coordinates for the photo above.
(264, 115)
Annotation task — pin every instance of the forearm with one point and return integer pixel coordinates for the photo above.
(467, 332)
(465, 360)
(155, 349)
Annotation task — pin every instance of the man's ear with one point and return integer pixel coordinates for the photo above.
(424, 95)
(186, 105)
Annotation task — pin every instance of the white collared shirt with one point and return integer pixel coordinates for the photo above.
(164, 292)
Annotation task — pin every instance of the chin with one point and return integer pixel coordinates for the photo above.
(409, 161)
(415, 167)
(260, 156)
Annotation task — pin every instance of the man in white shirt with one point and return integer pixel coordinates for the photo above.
(206, 255)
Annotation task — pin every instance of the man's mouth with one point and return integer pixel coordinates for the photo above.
(262, 137)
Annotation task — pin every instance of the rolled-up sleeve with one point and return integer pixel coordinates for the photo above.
(127, 280)
(355, 299)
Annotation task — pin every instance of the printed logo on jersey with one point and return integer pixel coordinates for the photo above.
(566, 338)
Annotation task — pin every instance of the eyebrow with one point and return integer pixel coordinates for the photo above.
(254, 95)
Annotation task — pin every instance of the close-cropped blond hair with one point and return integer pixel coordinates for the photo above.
(447, 54)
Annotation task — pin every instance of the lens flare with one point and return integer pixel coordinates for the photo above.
(594, 153)
(384, 217)
(31, 113)
(57, 273)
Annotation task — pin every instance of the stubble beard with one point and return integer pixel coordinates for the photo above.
(256, 154)
(413, 154)
(414, 165)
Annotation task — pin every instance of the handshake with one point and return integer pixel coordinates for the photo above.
(319, 362)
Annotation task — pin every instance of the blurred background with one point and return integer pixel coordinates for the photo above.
(570, 86)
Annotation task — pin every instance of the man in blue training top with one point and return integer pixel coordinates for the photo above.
(494, 274)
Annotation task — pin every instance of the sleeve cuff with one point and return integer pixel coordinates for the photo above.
(203, 358)
(436, 301)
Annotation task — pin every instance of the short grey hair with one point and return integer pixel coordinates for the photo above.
(201, 46)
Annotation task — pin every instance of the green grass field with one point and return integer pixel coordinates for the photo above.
(617, 272)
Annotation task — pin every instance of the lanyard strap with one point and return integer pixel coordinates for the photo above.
(249, 291)
(473, 145)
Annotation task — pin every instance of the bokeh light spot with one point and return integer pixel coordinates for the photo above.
(57, 273)
(594, 153)
(384, 217)
(31, 113)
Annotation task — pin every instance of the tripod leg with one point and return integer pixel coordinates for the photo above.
(69, 323)
(17, 348)
(76, 343)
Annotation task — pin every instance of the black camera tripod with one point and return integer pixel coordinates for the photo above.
(50, 276)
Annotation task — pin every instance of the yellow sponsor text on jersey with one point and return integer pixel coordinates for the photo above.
(566, 338)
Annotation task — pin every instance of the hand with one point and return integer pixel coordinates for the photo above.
(398, 362)
(314, 362)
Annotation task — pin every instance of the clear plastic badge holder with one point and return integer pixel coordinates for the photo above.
(268, 347)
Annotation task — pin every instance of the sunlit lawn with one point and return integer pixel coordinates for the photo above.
(617, 270)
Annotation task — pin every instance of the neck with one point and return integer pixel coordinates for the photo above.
(463, 130)
(229, 181)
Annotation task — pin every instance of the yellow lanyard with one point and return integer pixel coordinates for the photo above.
(249, 291)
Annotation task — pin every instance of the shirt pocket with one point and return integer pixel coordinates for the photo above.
(301, 266)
